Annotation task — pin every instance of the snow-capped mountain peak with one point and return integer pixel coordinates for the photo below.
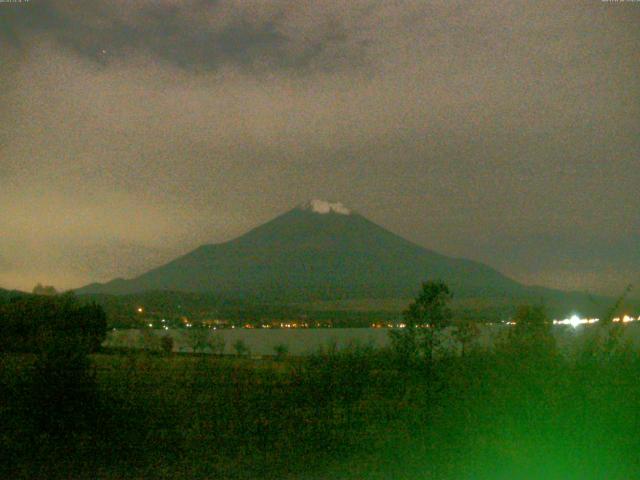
(323, 207)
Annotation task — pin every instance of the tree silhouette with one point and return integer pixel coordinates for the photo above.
(40, 289)
(531, 335)
(61, 332)
(431, 307)
(466, 332)
(425, 317)
(31, 322)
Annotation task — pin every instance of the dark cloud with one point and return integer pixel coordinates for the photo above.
(134, 131)
(201, 35)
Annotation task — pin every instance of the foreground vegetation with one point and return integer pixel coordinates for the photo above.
(349, 414)
(520, 410)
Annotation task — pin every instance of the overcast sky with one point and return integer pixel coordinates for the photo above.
(502, 131)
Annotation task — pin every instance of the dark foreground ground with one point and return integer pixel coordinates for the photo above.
(512, 413)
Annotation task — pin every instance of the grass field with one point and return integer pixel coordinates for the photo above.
(353, 414)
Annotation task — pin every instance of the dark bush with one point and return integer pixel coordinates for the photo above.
(28, 322)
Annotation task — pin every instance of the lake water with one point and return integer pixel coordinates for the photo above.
(300, 341)
(306, 341)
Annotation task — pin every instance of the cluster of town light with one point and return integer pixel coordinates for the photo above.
(576, 321)
(573, 321)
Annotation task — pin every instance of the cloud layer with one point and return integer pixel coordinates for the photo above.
(134, 131)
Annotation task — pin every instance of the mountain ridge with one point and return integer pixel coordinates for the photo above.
(318, 250)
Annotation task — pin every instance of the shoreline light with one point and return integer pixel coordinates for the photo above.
(575, 321)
